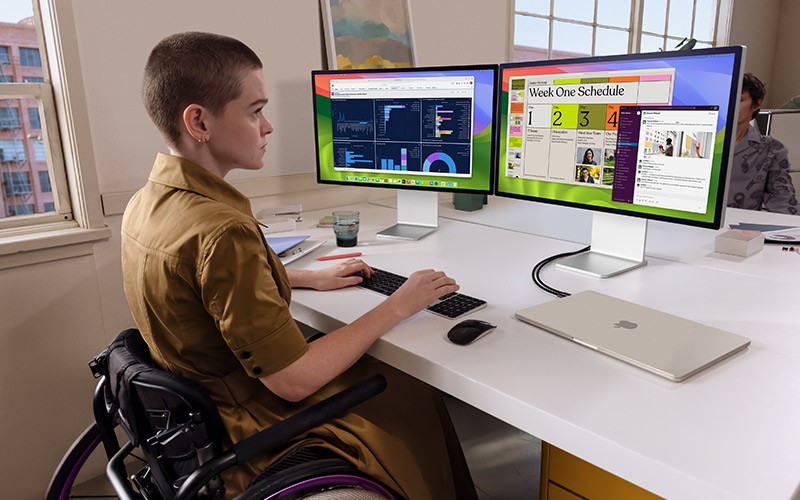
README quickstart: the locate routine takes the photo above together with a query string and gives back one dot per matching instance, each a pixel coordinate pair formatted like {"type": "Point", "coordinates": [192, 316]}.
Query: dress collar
{"type": "Point", "coordinates": [180, 173]}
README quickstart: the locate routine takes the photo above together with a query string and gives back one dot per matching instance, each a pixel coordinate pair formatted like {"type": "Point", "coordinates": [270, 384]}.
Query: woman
{"type": "Point", "coordinates": [212, 299]}
{"type": "Point", "coordinates": [588, 157]}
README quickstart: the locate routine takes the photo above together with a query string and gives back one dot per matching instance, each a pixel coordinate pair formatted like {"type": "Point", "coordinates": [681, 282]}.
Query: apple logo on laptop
{"type": "Point", "coordinates": [628, 325]}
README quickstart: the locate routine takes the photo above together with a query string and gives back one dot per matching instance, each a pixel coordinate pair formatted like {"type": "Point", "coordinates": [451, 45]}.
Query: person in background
{"type": "Point", "coordinates": [759, 177]}
{"type": "Point", "coordinates": [668, 151]}
{"type": "Point", "coordinates": [212, 299]}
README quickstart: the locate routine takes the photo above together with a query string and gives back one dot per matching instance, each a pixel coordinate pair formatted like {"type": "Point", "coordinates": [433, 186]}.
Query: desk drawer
{"type": "Point", "coordinates": [584, 479]}
{"type": "Point", "coordinates": [556, 492]}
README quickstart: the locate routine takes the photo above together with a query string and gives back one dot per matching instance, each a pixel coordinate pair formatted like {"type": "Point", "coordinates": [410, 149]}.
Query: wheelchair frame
{"type": "Point", "coordinates": [115, 403]}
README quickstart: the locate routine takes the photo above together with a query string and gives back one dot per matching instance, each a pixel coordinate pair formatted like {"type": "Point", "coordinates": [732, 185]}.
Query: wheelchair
{"type": "Point", "coordinates": [177, 429]}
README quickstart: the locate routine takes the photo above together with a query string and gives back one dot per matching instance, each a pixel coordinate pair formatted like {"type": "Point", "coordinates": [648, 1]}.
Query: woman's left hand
{"type": "Point", "coordinates": [340, 275]}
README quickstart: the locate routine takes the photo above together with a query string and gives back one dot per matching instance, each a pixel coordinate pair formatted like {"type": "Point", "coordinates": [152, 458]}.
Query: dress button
{"type": "Point", "coordinates": [245, 354]}
{"type": "Point", "coordinates": [257, 370]}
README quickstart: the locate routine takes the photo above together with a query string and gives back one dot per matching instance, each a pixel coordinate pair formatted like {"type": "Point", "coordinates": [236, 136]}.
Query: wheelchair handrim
{"type": "Point", "coordinates": [332, 480]}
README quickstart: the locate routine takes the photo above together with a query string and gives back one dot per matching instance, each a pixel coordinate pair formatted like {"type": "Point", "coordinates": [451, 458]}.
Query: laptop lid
{"type": "Point", "coordinates": [661, 343]}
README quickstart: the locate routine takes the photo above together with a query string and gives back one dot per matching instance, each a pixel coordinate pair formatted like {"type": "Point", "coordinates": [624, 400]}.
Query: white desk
{"type": "Point", "coordinates": [731, 431]}
{"type": "Point", "coordinates": [690, 245]}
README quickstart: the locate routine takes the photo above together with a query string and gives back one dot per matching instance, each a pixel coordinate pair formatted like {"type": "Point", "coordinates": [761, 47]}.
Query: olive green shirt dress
{"type": "Point", "coordinates": [212, 302]}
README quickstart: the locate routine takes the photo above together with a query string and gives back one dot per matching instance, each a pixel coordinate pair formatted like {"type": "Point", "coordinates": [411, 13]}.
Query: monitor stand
{"type": "Point", "coordinates": [618, 243]}
{"type": "Point", "coordinates": [417, 215]}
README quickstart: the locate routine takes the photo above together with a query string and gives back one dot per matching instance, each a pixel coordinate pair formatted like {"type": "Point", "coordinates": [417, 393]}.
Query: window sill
{"type": "Point", "coordinates": [50, 242]}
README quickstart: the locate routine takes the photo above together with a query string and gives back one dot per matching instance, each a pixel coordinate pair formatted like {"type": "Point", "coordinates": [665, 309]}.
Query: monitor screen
{"type": "Point", "coordinates": [646, 135]}
{"type": "Point", "coordinates": [410, 128]}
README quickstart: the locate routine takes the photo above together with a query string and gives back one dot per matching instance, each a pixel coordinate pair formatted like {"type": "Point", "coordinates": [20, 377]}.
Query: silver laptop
{"type": "Point", "coordinates": [661, 343]}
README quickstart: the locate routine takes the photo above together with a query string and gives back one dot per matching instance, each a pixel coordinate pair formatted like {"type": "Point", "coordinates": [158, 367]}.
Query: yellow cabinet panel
{"type": "Point", "coordinates": [555, 492]}
{"type": "Point", "coordinates": [584, 479]}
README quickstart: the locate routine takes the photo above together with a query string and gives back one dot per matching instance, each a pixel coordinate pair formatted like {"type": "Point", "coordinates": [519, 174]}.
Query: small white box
{"type": "Point", "coordinates": [739, 242]}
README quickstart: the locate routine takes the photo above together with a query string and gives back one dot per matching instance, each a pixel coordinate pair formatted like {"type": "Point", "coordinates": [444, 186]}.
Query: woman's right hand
{"type": "Point", "coordinates": [420, 290]}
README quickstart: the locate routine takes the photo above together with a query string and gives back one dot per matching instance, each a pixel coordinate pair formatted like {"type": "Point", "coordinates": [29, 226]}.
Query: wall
{"type": "Point", "coordinates": [59, 314]}
{"type": "Point", "coordinates": [754, 24]}
{"type": "Point", "coordinates": [785, 82]}
{"type": "Point", "coordinates": [768, 29]}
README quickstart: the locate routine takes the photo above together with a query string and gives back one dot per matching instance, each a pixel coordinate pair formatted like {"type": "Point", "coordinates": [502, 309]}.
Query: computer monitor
{"type": "Point", "coordinates": [631, 137]}
{"type": "Point", "coordinates": [420, 131]}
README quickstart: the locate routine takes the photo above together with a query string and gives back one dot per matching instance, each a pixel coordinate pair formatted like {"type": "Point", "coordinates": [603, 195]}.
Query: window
{"type": "Point", "coordinates": [9, 119]}
{"type": "Point", "coordinates": [23, 148]}
{"type": "Point", "coordinates": [63, 209]}
{"type": "Point", "coordinates": [545, 29]}
{"type": "Point", "coordinates": [12, 151]}
{"type": "Point", "coordinates": [39, 153]}
{"type": "Point", "coordinates": [33, 118]}
{"type": "Point", "coordinates": [44, 183]}
{"type": "Point", "coordinates": [6, 78]}
{"type": "Point", "coordinates": [16, 184]}
{"type": "Point", "coordinates": [30, 57]}
{"type": "Point", "coordinates": [20, 209]}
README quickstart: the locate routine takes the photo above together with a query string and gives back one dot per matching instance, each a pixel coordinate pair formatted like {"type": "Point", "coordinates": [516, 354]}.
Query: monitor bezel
{"type": "Point", "coordinates": [493, 133]}
{"type": "Point", "coordinates": [728, 144]}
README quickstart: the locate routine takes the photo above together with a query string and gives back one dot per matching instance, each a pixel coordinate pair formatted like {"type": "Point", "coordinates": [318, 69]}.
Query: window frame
{"type": "Point", "coordinates": [42, 93]}
{"type": "Point", "coordinates": [634, 29]}
{"type": "Point", "coordinates": [78, 221]}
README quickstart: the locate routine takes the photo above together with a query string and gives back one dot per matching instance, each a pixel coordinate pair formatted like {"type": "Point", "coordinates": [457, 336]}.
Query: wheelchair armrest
{"type": "Point", "coordinates": [278, 434]}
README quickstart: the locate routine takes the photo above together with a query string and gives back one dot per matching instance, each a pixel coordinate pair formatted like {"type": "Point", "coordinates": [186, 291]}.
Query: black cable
{"type": "Point", "coordinates": [538, 268]}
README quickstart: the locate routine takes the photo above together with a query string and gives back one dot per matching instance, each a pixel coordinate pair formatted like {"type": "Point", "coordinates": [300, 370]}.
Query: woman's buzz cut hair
{"type": "Point", "coordinates": [193, 68]}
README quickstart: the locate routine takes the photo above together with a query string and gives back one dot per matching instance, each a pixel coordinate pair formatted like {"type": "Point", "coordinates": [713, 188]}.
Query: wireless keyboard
{"type": "Point", "coordinates": [452, 306]}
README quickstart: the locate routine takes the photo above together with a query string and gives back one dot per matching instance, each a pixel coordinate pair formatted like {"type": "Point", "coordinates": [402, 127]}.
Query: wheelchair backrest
{"type": "Point", "coordinates": [173, 420]}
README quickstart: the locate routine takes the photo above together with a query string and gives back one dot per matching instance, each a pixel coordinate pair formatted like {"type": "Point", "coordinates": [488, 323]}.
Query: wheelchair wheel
{"type": "Point", "coordinates": [325, 479]}
{"type": "Point", "coordinates": [61, 483]}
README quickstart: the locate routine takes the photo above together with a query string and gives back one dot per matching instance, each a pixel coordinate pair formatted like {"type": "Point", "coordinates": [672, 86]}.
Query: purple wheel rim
{"type": "Point", "coordinates": [333, 480]}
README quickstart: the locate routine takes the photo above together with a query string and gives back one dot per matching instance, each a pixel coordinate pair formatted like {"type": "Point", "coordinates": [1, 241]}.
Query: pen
{"type": "Point", "coordinates": [340, 256]}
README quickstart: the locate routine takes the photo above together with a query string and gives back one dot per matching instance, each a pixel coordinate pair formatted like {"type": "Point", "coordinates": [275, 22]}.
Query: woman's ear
{"type": "Point", "coordinates": [194, 119]}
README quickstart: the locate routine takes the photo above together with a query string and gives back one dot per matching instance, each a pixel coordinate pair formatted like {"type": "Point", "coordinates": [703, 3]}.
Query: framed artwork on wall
{"type": "Point", "coordinates": [368, 34]}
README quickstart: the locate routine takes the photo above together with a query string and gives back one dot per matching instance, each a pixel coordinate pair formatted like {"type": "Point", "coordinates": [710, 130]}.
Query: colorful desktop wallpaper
{"type": "Point", "coordinates": [701, 78]}
{"type": "Point", "coordinates": [482, 133]}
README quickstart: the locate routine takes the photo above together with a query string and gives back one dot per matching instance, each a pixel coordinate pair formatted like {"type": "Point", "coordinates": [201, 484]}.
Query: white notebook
{"type": "Point", "coordinates": [664, 344]}
{"type": "Point", "coordinates": [300, 250]}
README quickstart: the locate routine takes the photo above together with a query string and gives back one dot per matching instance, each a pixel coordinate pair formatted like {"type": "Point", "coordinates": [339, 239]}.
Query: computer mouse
{"type": "Point", "coordinates": [468, 331]}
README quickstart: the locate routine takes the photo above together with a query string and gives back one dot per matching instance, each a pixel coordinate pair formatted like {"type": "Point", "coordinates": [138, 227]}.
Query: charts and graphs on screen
{"type": "Point", "coordinates": [416, 130]}
{"type": "Point", "coordinates": [426, 128]}
{"type": "Point", "coordinates": [420, 125]}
